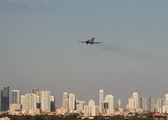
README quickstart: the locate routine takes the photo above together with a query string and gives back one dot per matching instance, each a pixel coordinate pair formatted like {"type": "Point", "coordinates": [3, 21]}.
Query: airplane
{"type": "Point", "coordinates": [91, 41]}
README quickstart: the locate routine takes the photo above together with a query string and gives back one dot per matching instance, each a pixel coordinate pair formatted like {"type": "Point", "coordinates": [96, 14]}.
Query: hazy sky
{"type": "Point", "coordinates": [39, 47]}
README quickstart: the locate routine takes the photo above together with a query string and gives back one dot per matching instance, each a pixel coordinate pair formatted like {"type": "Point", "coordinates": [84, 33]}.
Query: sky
{"type": "Point", "coordinates": [39, 47]}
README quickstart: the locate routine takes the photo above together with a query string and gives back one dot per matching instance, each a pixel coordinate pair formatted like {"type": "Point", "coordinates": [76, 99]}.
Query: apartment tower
{"type": "Point", "coordinates": [15, 96]}
{"type": "Point", "coordinates": [101, 99]}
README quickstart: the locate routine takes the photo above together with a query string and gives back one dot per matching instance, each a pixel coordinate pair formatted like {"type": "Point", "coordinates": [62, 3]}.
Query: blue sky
{"type": "Point", "coordinates": [40, 49]}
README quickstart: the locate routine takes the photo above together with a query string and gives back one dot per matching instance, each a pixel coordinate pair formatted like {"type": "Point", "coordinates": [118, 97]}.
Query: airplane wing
{"type": "Point", "coordinates": [98, 42]}
{"type": "Point", "coordinates": [82, 41]}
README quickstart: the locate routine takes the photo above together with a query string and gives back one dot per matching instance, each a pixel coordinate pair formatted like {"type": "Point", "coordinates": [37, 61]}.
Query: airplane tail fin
{"type": "Point", "coordinates": [92, 39]}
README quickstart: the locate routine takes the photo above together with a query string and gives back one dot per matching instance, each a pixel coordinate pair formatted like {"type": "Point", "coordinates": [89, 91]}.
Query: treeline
{"type": "Point", "coordinates": [76, 117]}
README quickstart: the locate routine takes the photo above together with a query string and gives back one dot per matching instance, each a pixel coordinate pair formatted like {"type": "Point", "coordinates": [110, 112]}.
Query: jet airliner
{"type": "Point", "coordinates": [91, 41]}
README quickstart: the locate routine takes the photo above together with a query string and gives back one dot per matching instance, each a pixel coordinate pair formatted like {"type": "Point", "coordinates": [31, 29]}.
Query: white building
{"type": "Point", "coordinates": [71, 102]}
{"type": "Point", "coordinates": [23, 102]}
{"type": "Point", "coordinates": [166, 99]}
{"type": "Point", "coordinates": [159, 104]}
{"type": "Point", "coordinates": [110, 100]}
{"type": "Point", "coordinates": [80, 106]}
{"type": "Point", "coordinates": [91, 109]}
{"type": "Point", "coordinates": [135, 100]}
{"type": "Point", "coordinates": [36, 91]}
{"type": "Point", "coordinates": [151, 104]}
{"type": "Point", "coordinates": [15, 109]}
{"type": "Point", "coordinates": [143, 103]}
{"type": "Point", "coordinates": [130, 103]}
{"type": "Point", "coordinates": [165, 104]}
{"type": "Point", "coordinates": [119, 103]}
{"type": "Point", "coordinates": [45, 100]}
{"type": "Point", "coordinates": [29, 102]}
{"type": "Point", "coordinates": [65, 102]}
{"type": "Point", "coordinates": [101, 99]}
{"type": "Point", "coordinates": [15, 106]}
{"type": "Point", "coordinates": [52, 103]}
{"type": "Point", "coordinates": [15, 96]}
{"type": "Point", "coordinates": [165, 109]}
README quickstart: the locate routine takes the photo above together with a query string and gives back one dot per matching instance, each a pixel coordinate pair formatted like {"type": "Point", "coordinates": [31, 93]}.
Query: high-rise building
{"type": "Point", "coordinates": [71, 102]}
{"type": "Point", "coordinates": [80, 106]}
{"type": "Point", "coordinates": [36, 91]}
{"type": "Point", "coordinates": [29, 102]}
{"type": "Point", "coordinates": [4, 98]}
{"type": "Point", "coordinates": [45, 100]}
{"type": "Point", "coordinates": [119, 103]}
{"type": "Point", "coordinates": [166, 99]}
{"type": "Point", "coordinates": [15, 96]}
{"type": "Point", "coordinates": [165, 104]}
{"type": "Point", "coordinates": [91, 109]}
{"type": "Point", "coordinates": [143, 103]}
{"type": "Point", "coordinates": [52, 103]}
{"type": "Point", "coordinates": [101, 99]}
{"type": "Point", "coordinates": [105, 108]}
{"type": "Point", "coordinates": [110, 100]}
{"type": "Point", "coordinates": [65, 102]}
{"type": "Point", "coordinates": [151, 104]}
{"type": "Point", "coordinates": [159, 104]}
{"type": "Point", "coordinates": [22, 98]}
{"type": "Point", "coordinates": [135, 100]}
{"type": "Point", "coordinates": [105, 105]}
{"type": "Point", "coordinates": [130, 103]}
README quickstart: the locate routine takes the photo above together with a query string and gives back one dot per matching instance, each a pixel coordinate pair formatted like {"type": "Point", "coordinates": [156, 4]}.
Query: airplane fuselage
{"type": "Point", "coordinates": [91, 41]}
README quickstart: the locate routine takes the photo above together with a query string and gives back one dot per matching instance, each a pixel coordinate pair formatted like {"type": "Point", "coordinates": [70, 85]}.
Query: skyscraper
{"type": "Point", "coordinates": [4, 98]}
{"type": "Point", "coordinates": [165, 107]}
{"type": "Point", "coordinates": [71, 102]}
{"type": "Point", "coordinates": [135, 100]}
{"type": "Point", "coordinates": [65, 102]}
{"type": "Point", "coordinates": [142, 102]}
{"type": "Point", "coordinates": [80, 106]}
{"type": "Point", "coordinates": [130, 103]}
{"type": "Point", "coordinates": [52, 103]}
{"type": "Point", "coordinates": [45, 100]}
{"type": "Point", "coordinates": [159, 104]}
{"type": "Point", "coordinates": [15, 96]}
{"type": "Point", "coordinates": [29, 102]}
{"type": "Point", "coordinates": [119, 103]}
{"type": "Point", "coordinates": [166, 99]}
{"type": "Point", "coordinates": [36, 91]}
{"type": "Point", "coordinates": [110, 100]}
{"type": "Point", "coordinates": [101, 97]}
{"type": "Point", "coordinates": [151, 104]}
{"type": "Point", "coordinates": [91, 109]}
{"type": "Point", "coordinates": [22, 101]}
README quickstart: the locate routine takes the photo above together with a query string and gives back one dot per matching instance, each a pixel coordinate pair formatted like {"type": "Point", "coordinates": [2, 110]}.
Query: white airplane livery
{"type": "Point", "coordinates": [91, 41]}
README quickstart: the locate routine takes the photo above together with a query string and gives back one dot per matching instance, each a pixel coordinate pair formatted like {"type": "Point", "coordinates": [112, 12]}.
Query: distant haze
{"type": "Point", "coordinates": [39, 47]}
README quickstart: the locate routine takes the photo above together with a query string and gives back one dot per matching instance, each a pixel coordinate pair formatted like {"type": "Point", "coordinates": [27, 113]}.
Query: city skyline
{"type": "Point", "coordinates": [40, 49]}
{"type": "Point", "coordinates": [44, 101]}
{"type": "Point", "coordinates": [136, 99]}
{"type": "Point", "coordinates": [97, 100]}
